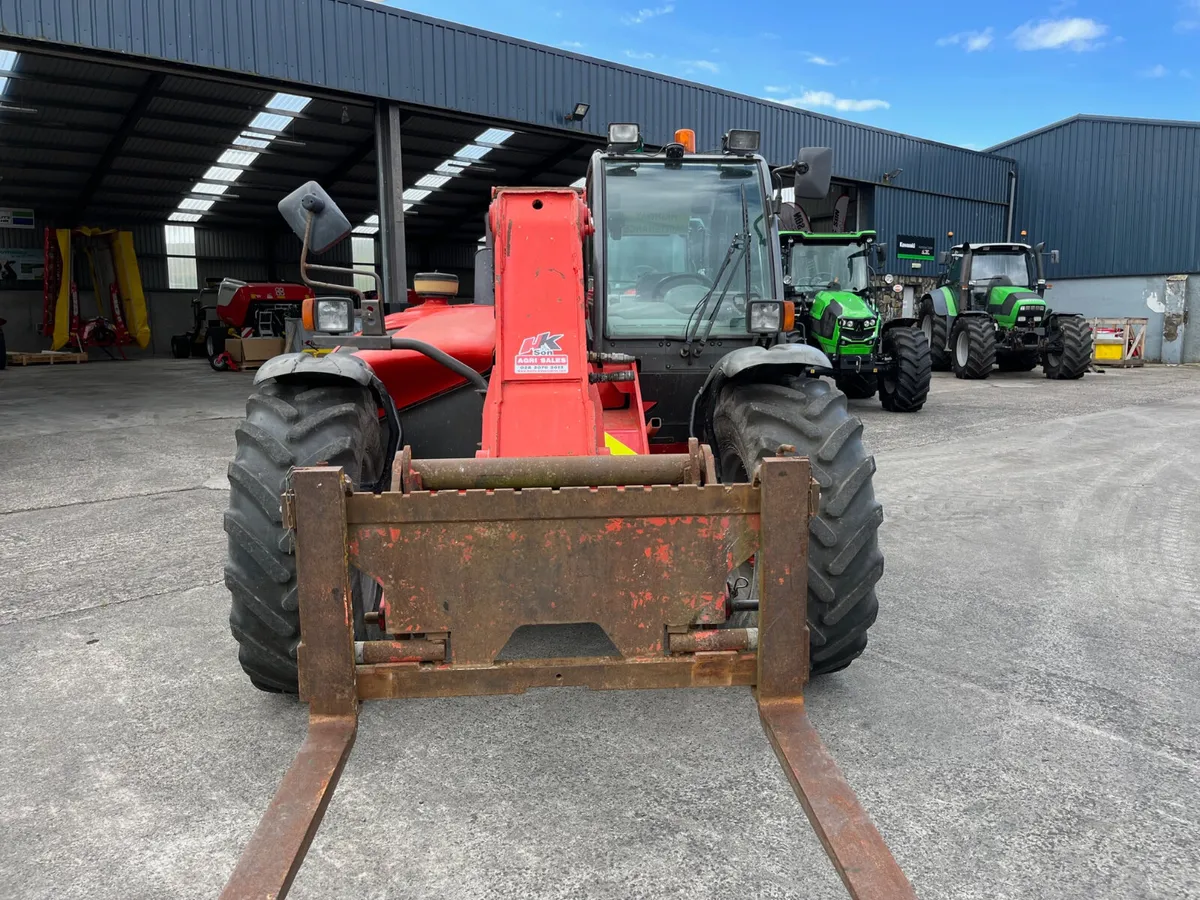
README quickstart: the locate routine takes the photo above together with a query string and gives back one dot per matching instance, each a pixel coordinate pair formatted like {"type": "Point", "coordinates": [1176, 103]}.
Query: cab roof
{"type": "Point", "coordinates": [846, 236]}
{"type": "Point", "coordinates": [994, 248]}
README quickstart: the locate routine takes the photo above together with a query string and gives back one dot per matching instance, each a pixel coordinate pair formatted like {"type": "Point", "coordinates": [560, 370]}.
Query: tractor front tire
{"type": "Point", "coordinates": [905, 386]}
{"type": "Point", "coordinates": [973, 342]}
{"type": "Point", "coordinates": [1067, 353]}
{"type": "Point", "coordinates": [934, 327]}
{"type": "Point", "coordinates": [856, 386]}
{"type": "Point", "coordinates": [750, 422]}
{"type": "Point", "coordinates": [287, 425]}
{"type": "Point", "coordinates": [181, 346]}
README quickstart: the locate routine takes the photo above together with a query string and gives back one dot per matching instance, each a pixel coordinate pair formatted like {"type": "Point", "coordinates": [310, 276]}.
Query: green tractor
{"type": "Point", "coordinates": [989, 309]}
{"type": "Point", "coordinates": [828, 277]}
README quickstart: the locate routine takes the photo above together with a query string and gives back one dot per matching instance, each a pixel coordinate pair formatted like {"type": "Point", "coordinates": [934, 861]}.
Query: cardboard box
{"type": "Point", "coordinates": [255, 350]}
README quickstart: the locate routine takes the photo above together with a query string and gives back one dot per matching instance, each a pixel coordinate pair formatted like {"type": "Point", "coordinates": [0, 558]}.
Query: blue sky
{"type": "Point", "coordinates": [970, 74]}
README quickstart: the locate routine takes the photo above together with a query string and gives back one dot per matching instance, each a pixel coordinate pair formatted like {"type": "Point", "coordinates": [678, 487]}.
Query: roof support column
{"type": "Point", "coordinates": [390, 177]}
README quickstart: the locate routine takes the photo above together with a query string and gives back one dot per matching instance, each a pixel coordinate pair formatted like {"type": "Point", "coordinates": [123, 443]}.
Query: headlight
{"type": "Point", "coordinates": [334, 316]}
{"type": "Point", "coordinates": [621, 133]}
{"type": "Point", "coordinates": [739, 140]}
{"type": "Point", "coordinates": [770, 316]}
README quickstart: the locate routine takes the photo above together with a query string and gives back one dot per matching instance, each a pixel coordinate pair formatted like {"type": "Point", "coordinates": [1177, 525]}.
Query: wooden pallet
{"type": "Point", "coordinates": [43, 359]}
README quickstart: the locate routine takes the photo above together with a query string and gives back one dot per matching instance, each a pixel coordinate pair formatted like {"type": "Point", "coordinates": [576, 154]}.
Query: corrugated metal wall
{"type": "Point", "coordinates": [366, 48]}
{"type": "Point", "coordinates": [1117, 197]}
{"type": "Point", "coordinates": [928, 215]}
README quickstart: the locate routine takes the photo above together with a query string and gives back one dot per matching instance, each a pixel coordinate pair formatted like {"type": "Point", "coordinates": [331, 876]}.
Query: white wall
{"type": "Point", "coordinates": [1133, 297]}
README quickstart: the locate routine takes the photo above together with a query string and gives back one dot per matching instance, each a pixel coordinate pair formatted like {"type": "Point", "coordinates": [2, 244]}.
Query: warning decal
{"type": "Point", "coordinates": [541, 355]}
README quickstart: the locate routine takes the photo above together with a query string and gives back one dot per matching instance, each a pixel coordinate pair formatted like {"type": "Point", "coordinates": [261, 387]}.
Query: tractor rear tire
{"type": "Point", "coordinates": [286, 425]}
{"type": "Point", "coordinates": [907, 387]}
{"type": "Point", "coordinates": [750, 422]}
{"type": "Point", "coordinates": [1017, 362]}
{"type": "Point", "coordinates": [1067, 354]}
{"type": "Point", "coordinates": [973, 343]}
{"type": "Point", "coordinates": [856, 386]}
{"type": "Point", "coordinates": [934, 327]}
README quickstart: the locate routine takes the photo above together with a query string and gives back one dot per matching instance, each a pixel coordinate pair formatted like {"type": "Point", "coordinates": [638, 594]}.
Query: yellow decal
{"type": "Point", "coordinates": [616, 448]}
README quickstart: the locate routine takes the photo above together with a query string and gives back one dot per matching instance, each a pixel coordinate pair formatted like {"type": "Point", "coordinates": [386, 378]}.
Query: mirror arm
{"type": "Point", "coordinates": [369, 327]}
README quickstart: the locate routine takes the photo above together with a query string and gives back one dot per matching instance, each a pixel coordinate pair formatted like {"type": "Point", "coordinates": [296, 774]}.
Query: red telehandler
{"type": "Point", "coordinates": [623, 428]}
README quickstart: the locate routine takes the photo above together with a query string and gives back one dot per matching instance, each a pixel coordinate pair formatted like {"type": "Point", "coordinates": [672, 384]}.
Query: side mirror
{"type": "Point", "coordinates": [881, 253]}
{"type": "Point", "coordinates": [309, 202]}
{"type": "Point", "coordinates": [1054, 257]}
{"type": "Point", "coordinates": [944, 258]}
{"type": "Point", "coordinates": [813, 170]}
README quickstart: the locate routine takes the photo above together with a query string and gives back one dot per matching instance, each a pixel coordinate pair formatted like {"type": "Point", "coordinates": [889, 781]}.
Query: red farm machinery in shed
{"type": "Point", "coordinates": [623, 428]}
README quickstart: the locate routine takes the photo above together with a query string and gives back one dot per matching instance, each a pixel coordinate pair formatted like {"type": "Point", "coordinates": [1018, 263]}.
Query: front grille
{"type": "Point", "coordinates": [857, 335]}
{"type": "Point", "coordinates": [1030, 315]}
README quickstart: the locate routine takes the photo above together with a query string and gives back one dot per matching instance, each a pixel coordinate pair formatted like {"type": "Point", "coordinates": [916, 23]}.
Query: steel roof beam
{"type": "Point", "coordinates": [128, 124]}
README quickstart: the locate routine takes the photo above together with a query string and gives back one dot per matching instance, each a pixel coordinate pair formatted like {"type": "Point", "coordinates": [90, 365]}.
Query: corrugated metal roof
{"type": "Point", "coordinates": [1116, 196]}
{"type": "Point", "coordinates": [366, 48]}
{"type": "Point", "coordinates": [1170, 123]}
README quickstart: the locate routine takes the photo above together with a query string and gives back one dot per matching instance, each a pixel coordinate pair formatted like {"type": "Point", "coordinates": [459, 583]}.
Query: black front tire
{"type": "Point", "coordinates": [856, 385]}
{"type": "Point", "coordinates": [973, 347]}
{"type": "Point", "coordinates": [1067, 352]}
{"type": "Point", "coordinates": [288, 425]}
{"type": "Point", "coordinates": [934, 327]}
{"type": "Point", "coordinates": [905, 387]}
{"type": "Point", "coordinates": [750, 422]}
{"type": "Point", "coordinates": [181, 346]}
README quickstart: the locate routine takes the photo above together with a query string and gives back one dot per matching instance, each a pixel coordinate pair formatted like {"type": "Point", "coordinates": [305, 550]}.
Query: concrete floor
{"type": "Point", "coordinates": [1026, 722]}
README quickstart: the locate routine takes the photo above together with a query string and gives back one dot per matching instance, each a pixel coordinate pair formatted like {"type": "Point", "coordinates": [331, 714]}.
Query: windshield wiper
{"type": "Point", "coordinates": [745, 236]}
{"type": "Point", "coordinates": [735, 246]}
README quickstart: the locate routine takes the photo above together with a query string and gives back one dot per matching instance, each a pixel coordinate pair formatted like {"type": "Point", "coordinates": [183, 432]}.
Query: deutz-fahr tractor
{"type": "Point", "coordinates": [989, 309]}
{"type": "Point", "coordinates": [829, 277]}
{"type": "Point", "coordinates": [618, 430]}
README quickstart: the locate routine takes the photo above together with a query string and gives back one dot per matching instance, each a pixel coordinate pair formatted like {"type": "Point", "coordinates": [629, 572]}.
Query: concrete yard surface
{"type": "Point", "coordinates": [1024, 724]}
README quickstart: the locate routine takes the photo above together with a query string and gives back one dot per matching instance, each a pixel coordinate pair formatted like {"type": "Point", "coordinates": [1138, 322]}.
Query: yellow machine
{"type": "Point", "coordinates": [113, 266]}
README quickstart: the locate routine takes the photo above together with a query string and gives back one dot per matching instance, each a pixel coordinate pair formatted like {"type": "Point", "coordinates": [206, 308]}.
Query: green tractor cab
{"type": "Point", "coordinates": [828, 278]}
{"type": "Point", "coordinates": [989, 309]}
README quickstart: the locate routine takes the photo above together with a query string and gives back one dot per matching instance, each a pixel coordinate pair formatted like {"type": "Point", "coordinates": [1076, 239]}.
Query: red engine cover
{"type": "Point", "coordinates": [466, 332]}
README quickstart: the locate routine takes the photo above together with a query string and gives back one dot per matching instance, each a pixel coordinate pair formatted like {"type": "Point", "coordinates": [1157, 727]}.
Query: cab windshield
{"type": "Point", "coordinates": [1015, 267]}
{"type": "Point", "coordinates": [667, 232]}
{"type": "Point", "coordinates": [828, 267]}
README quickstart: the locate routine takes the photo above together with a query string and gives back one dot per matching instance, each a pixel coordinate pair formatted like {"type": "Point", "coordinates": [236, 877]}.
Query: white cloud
{"type": "Point", "coordinates": [1054, 34]}
{"type": "Point", "coordinates": [633, 54]}
{"type": "Point", "coordinates": [1189, 16]}
{"type": "Point", "coordinates": [776, 89]}
{"type": "Point", "coordinates": [571, 45]}
{"type": "Point", "coordinates": [820, 60]}
{"type": "Point", "coordinates": [1159, 71]}
{"type": "Point", "coordinates": [825, 99]}
{"type": "Point", "coordinates": [702, 64]}
{"type": "Point", "coordinates": [648, 13]}
{"type": "Point", "coordinates": [971, 41]}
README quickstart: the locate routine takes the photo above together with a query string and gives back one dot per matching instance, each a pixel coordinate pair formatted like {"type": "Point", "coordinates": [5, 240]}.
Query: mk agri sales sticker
{"type": "Point", "coordinates": [541, 355]}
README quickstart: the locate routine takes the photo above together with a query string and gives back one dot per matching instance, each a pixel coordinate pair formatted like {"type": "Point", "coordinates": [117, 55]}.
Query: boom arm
{"type": "Point", "coordinates": [541, 400]}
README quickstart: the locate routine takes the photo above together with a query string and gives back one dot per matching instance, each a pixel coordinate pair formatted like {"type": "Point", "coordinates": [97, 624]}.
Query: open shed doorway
{"type": "Point", "coordinates": [840, 210]}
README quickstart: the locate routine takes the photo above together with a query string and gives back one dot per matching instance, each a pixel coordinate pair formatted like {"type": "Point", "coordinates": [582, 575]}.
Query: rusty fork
{"type": "Point", "coordinates": [334, 530]}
